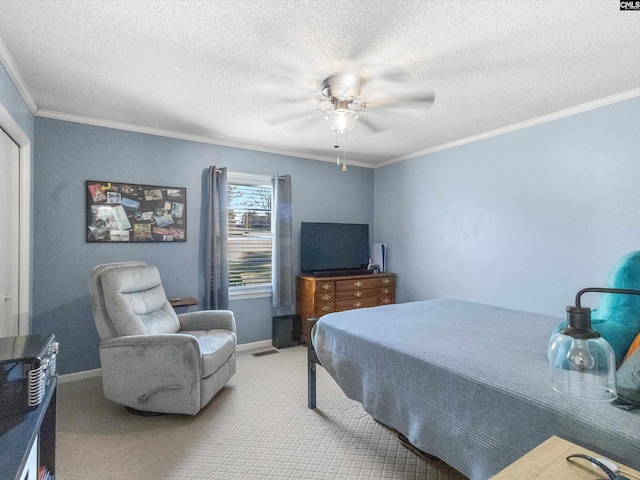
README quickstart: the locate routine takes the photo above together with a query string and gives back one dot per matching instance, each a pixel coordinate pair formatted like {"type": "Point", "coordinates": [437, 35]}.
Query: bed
{"type": "Point", "coordinates": [465, 382]}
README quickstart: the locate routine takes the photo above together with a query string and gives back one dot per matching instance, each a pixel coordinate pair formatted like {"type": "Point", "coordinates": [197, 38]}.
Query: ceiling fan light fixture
{"type": "Point", "coordinates": [342, 120]}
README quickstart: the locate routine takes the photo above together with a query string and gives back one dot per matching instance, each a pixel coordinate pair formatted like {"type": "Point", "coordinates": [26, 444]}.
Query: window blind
{"type": "Point", "coordinates": [250, 234]}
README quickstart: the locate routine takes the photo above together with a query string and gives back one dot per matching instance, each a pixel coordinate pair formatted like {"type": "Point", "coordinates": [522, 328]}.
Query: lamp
{"type": "Point", "coordinates": [583, 363]}
{"type": "Point", "coordinates": [341, 119]}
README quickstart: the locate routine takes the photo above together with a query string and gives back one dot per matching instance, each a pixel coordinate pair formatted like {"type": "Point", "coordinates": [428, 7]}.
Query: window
{"type": "Point", "coordinates": [250, 240]}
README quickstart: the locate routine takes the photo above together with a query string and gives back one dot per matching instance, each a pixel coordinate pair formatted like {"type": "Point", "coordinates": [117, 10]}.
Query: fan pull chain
{"type": "Point", "coordinates": [344, 157]}
{"type": "Point", "coordinates": [337, 146]}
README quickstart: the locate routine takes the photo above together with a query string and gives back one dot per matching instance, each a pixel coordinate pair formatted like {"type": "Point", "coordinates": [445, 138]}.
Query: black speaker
{"type": "Point", "coordinates": [286, 331]}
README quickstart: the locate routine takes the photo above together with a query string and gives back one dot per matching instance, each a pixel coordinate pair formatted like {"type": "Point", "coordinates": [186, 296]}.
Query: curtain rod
{"type": "Point", "coordinates": [280, 177]}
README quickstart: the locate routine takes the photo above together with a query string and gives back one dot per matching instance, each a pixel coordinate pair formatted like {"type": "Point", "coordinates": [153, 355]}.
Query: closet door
{"type": "Point", "coordinates": [9, 234]}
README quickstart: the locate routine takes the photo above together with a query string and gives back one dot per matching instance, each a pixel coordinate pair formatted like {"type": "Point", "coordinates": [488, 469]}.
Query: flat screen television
{"type": "Point", "coordinates": [333, 248]}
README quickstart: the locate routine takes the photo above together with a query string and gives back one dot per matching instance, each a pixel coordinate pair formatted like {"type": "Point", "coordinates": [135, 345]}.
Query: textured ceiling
{"type": "Point", "coordinates": [239, 72]}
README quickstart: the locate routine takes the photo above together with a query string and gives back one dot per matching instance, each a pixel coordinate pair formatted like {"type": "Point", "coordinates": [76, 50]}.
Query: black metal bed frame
{"type": "Point", "coordinates": [312, 361]}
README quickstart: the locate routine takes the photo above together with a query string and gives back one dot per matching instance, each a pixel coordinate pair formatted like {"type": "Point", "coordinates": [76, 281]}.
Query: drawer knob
{"type": "Point", "coordinates": [326, 308]}
{"type": "Point", "coordinates": [358, 283]}
{"type": "Point", "coordinates": [326, 297]}
{"type": "Point", "coordinates": [385, 290]}
{"type": "Point", "coordinates": [386, 281]}
{"type": "Point", "coordinates": [357, 294]}
{"type": "Point", "coordinates": [326, 286]}
{"type": "Point", "coordinates": [357, 304]}
{"type": "Point", "coordinates": [386, 300]}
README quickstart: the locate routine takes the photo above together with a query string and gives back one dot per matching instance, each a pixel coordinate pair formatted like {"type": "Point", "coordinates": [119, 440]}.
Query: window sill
{"type": "Point", "coordinates": [243, 293]}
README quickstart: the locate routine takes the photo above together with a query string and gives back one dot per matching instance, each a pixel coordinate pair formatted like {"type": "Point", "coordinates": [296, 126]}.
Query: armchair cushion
{"type": "Point", "coordinates": [136, 302]}
{"type": "Point", "coordinates": [216, 346]}
{"type": "Point", "coordinates": [105, 326]}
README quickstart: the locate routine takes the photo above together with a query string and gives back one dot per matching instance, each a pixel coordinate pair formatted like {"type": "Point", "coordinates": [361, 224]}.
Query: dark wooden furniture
{"type": "Point", "coordinates": [183, 302]}
{"type": "Point", "coordinates": [31, 432]}
{"type": "Point", "coordinates": [317, 296]}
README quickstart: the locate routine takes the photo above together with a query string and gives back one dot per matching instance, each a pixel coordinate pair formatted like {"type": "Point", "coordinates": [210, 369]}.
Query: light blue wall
{"type": "Point", "coordinates": [522, 220]}
{"type": "Point", "coordinates": [67, 154]}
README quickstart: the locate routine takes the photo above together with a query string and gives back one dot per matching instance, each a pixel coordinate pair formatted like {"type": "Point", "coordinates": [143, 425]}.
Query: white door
{"type": "Point", "coordinates": [9, 234]}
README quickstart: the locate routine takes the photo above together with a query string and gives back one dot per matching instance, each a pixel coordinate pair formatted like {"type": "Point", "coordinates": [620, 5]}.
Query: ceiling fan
{"type": "Point", "coordinates": [379, 100]}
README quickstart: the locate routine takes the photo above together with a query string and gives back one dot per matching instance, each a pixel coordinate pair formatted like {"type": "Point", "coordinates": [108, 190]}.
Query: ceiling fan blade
{"type": "Point", "coordinates": [425, 98]}
{"type": "Point", "coordinates": [369, 125]}
{"type": "Point", "coordinates": [376, 121]}
{"type": "Point", "coordinates": [292, 117]}
{"type": "Point", "coordinates": [286, 88]}
{"type": "Point", "coordinates": [384, 73]}
{"type": "Point", "coordinates": [407, 107]}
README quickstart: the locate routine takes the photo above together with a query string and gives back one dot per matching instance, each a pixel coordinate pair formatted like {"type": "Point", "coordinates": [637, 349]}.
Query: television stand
{"type": "Point", "coordinates": [317, 296]}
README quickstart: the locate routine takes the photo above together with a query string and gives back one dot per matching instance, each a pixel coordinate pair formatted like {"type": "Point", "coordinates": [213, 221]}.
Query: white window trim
{"type": "Point", "coordinates": [244, 292]}
{"type": "Point", "coordinates": [241, 293]}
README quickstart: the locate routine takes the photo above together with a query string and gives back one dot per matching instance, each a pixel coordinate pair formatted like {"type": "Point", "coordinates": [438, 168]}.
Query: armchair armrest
{"type": "Point", "coordinates": [154, 353]}
{"type": "Point", "coordinates": [208, 320]}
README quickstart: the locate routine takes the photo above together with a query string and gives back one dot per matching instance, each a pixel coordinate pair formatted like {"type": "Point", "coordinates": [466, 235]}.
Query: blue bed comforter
{"type": "Point", "coordinates": [466, 382]}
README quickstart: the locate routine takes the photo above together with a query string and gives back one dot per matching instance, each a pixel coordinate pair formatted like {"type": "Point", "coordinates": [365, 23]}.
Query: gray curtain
{"type": "Point", "coordinates": [217, 266]}
{"type": "Point", "coordinates": [282, 251]}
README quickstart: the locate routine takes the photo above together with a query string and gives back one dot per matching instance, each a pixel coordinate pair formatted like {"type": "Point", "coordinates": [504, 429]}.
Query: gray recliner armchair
{"type": "Point", "coordinates": [152, 359]}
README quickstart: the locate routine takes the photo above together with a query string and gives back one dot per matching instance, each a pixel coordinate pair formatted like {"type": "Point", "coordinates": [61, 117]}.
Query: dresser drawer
{"type": "Point", "coordinates": [385, 298]}
{"type": "Point", "coordinates": [386, 290]}
{"type": "Point", "coordinates": [325, 286]}
{"type": "Point", "coordinates": [356, 294]}
{"type": "Point", "coordinates": [357, 284]}
{"type": "Point", "coordinates": [324, 297]}
{"type": "Point", "coordinates": [356, 303]}
{"type": "Point", "coordinates": [387, 281]}
{"type": "Point", "coordinates": [324, 309]}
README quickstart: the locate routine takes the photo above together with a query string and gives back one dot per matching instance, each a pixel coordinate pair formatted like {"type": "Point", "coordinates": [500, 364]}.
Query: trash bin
{"type": "Point", "coordinates": [286, 331]}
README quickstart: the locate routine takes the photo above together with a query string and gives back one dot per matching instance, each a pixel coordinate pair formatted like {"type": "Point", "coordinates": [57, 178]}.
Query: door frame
{"type": "Point", "coordinates": [11, 127]}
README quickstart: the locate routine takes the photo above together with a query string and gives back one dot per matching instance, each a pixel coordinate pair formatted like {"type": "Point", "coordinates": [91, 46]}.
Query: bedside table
{"type": "Point", "coordinates": [549, 460]}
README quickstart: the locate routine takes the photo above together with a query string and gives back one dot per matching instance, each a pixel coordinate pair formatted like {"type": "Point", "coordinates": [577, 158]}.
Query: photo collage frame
{"type": "Point", "coordinates": [129, 212]}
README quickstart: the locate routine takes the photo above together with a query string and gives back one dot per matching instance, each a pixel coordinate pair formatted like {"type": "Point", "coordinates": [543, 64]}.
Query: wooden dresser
{"type": "Point", "coordinates": [317, 296]}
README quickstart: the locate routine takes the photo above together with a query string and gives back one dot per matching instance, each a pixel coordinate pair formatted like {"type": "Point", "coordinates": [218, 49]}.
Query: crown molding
{"type": "Point", "coordinates": [181, 136]}
{"type": "Point", "coordinates": [585, 107]}
{"type": "Point", "coordinates": [15, 76]}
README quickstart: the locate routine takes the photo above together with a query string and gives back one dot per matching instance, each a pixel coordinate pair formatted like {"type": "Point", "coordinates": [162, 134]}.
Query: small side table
{"type": "Point", "coordinates": [183, 302]}
{"type": "Point", "coordinates": [549, 460]}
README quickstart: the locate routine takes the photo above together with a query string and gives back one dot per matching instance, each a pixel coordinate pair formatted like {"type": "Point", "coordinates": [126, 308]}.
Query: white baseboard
{"type": "Point", "coordinates": [251, 346]}
{"type": "Point", "coordinates": [73, 377]}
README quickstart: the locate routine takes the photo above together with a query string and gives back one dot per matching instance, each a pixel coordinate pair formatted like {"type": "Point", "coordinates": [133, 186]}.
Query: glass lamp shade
{"type": "Point", "coordinates": [342, 120]}
{"type": "Point", "coordinates": [582, 367]}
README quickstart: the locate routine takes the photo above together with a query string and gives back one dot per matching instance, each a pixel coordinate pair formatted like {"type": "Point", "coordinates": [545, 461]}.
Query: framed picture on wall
{"type": "Point", "coordinates": [129, 212]}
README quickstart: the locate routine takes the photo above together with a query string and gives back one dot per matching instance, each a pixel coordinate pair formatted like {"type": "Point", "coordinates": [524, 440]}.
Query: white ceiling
{"type": "Point", "coordinates": [222, 71]}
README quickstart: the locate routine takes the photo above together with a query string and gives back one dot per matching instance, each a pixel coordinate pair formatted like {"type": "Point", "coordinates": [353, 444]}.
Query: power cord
{"type": "Point", "coordinates": [607, 470]}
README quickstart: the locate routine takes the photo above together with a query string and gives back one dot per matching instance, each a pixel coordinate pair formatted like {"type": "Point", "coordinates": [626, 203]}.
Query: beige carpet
{"type": "Point", "coordinates": [257, 427]}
